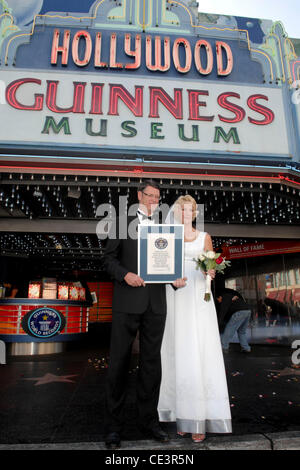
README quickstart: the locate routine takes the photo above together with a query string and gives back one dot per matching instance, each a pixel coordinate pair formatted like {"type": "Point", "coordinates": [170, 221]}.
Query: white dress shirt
{"type": "Point", "coordinates": [143, 218]}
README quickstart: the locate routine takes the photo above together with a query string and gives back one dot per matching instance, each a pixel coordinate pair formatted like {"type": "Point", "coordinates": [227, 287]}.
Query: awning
{"type": "Point", "coordinates": [296, 295]}
{"type": "Point", "coordinates": [281, 295]}
{"type": "Point", "coordinates": [272, 295]}
{"type": "Point", "coordinates": [288, 295]}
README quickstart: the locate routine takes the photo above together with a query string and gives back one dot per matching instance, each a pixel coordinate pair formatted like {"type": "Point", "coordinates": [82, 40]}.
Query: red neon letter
{"type": "Point", "coordinates": [97, 61]}
{"type": "Point", "coordinates": [172, 105]}
{"type": "Point", "coordinates": [96, 107]}
{"type": "Point", "coordinates": [234, 108]}
{"type": "Point", "coordinates": [64, 49]}
{"type": "Point", "coordinates": [266, 112]}
{"type": "Point", "coordinates": [134, 104]}
{"type": "Point", "coordinates": [219, 46]}
{"type": "Point", "coordinates": [12, 89]}
{"type": "Point", "coordinates": [113, 52]}
{"type": "Point", "coordinates": [78, 97]}
{"type": "Point", "coordinates": [209, 57]}
{"type": "Point", "coordinates": [188, 55]}
{"type": "Point", "coordinates": [157, 65]}
{"type": "Point", "coordinates": [194, 105]}
{"type": "Point", "coordinates": [88, 48]}
{"type": "Point", "coordinates": [136, 53]}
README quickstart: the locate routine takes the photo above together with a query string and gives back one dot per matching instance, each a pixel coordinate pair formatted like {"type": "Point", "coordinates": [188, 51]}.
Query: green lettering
{"type": "Point", "coordinates": [219, 132]}
{"type": "Point", "coordinates": [50, 123]}
{"type": "Point", "coordinates": [103, 128]}
{"type": "Point", "coordinates": [127, 127]}
{"type": "Point", "coordinates": [195, 136]}
{"type": "Point", "coordinates": [155, 130]}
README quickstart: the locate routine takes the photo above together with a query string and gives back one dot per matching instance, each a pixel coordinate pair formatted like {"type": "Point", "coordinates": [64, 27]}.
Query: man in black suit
{"type": "Point", "coordinates": [136, 307]}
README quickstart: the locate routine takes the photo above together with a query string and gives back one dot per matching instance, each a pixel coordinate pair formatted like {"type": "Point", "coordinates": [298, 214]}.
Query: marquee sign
{"type": "Point", "coordinates": [104, 85]}
{"type": "Point", "coordinates": [175, 116]}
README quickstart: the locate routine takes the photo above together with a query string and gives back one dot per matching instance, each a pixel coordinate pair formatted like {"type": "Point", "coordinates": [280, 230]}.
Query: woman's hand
{"type": "Point", "coordinates": [211, 273]}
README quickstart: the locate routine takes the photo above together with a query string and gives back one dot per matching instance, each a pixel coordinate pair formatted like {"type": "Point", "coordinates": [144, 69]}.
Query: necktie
{"type": "Point", "coordinates": [144, 216]}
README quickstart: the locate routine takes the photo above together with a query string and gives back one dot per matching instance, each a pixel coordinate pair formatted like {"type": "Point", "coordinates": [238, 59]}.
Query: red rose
{"type": "Point", "coordinates": [219, 260]}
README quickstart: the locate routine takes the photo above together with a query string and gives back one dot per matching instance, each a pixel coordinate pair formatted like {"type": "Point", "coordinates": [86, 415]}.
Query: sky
{"type": "Point", "coordinates": [287, 11]}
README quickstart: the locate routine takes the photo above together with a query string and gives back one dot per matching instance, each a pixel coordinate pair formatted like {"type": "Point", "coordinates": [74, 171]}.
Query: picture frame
{"type": "Point", "coordinates": [160, 252]}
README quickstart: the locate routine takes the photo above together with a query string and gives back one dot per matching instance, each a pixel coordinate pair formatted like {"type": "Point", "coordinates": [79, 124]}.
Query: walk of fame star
{"type": "Point", "coordinates": [286, 371]}
{"type": "Point", "coordinates": [49, 378]}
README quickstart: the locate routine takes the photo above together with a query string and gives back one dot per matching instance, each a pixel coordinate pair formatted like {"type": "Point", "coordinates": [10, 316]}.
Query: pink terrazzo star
{"type": "Point", "coordinates": [49, 378]}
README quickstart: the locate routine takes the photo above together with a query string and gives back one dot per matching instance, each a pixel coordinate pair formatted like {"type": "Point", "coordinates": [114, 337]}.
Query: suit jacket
{"type": "Point", "coordinates": [120, 257]}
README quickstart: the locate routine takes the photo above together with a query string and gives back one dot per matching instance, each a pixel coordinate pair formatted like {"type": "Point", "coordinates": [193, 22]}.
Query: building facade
{"type": "Point", "coordinates": [97, 97]}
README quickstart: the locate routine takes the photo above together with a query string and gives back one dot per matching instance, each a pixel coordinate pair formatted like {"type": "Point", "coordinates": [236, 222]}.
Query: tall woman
{"type": "Point", "coordinates": [194, 389]}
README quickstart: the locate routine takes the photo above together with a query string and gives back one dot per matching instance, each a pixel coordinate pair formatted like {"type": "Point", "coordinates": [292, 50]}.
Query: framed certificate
{"type": "Point", "coordinates": [160, 252]}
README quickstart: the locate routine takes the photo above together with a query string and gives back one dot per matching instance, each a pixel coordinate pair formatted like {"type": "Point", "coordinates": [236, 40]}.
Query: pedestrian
{"type": "Point", "coordinates": [234, 315]}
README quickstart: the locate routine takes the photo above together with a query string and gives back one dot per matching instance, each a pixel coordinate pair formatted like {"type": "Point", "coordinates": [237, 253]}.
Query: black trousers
{"type": "Point", "coordinates": [124, 329]}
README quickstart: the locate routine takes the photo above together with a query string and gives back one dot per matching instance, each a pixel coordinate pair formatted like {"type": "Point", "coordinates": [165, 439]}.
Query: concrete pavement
{"type": "Point", "coordinates": [272, 441]}
{"type": "Point", "coordinates": [57, 402]}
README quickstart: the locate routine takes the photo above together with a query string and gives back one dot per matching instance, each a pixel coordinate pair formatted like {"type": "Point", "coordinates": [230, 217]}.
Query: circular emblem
{"type": "Point", "coordinates": [43, 322]}
{"type": "Point", "coordinates": [161, 243]}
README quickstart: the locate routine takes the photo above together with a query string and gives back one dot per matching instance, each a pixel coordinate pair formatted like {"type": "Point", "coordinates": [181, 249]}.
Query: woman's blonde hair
{"type": "Point", "coordinates": [187, 199]}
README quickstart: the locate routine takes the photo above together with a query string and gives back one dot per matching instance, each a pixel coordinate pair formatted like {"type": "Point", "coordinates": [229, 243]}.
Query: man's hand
{"type": "Point", "coordinates": [134, 280]}
{"type": "Point", "coordinates": [180, 282]}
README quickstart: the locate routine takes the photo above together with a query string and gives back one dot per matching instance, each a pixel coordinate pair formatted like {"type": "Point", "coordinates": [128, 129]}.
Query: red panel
{"type": "Point", "coordinates": [296, 295]}
{"type": "Point", "coordinates": [76, 318]}
{"type": "Point", "coordinates": [281, 295]}
{"type": "Point", "coordinates": [101, 311]}
{"type": "Point", "coordinates": [288, 295]}
{"type": "Point", "coordinates": [272, 295]}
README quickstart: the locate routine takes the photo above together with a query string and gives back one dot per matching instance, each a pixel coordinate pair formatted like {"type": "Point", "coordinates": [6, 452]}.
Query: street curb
{"type": "Point", "coordinates": [285, 440]}
{"type": "Point", "coordinates": [271, 441]}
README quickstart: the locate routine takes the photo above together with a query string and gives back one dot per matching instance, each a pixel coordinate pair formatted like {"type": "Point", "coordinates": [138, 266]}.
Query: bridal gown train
{"type": "Point", "coordinates": [194, 388]}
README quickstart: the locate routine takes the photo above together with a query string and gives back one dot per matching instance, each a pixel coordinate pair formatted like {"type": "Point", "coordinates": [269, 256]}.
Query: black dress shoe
{"type": "Point", "coordinates": [113, 440]}
{"type": "Point", "coordinates": [155, 432]}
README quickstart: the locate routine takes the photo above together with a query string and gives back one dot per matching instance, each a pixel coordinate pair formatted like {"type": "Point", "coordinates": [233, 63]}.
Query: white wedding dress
{"type": "Point", "coordinates": [194, 388]}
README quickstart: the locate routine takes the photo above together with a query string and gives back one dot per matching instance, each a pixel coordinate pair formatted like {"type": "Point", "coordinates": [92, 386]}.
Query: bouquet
{"type": "Point", "coordinates": [210, 260]}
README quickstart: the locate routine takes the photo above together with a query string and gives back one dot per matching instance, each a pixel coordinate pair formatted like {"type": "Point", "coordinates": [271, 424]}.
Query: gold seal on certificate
{"type": "Point", "coordinates": [160, 252]}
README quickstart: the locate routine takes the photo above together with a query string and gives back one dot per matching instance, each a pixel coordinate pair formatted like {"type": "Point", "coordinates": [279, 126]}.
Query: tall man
{"type": "Point", "coordinates": [136, 307]}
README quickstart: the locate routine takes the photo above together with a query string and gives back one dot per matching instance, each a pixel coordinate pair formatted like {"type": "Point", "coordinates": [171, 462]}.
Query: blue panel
{"type": "Point", "coordinates": [32, 339]}
{"type": "Point", "coordinates": [253, 25]}
{"type": "Point", "coordinates": [36, 55]}
{"type": "Point", "coordinates": [75, 6]}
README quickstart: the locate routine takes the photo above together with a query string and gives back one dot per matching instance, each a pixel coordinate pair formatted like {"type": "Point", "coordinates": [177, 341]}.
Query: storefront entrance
{"type": "Point", "coordinates": [50, 229]}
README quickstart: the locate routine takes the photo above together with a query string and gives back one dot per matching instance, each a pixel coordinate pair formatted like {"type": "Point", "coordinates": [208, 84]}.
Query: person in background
{"type": "Point", "coordinates": [16, 289]}
{"type": "Point", "coordinates": [234, 315]}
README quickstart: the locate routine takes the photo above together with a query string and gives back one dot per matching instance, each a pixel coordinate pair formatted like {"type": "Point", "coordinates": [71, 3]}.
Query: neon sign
{"type": "Point", "coordinates": [157, 96]}
{"type": "Point", "coordinates": [166, 90]}
{"type": "Point", "coordinates": [181, 54]}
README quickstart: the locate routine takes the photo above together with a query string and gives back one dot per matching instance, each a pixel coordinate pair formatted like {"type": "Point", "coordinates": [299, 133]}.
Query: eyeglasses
{"type": "Point", "coordinates": [157, 198]}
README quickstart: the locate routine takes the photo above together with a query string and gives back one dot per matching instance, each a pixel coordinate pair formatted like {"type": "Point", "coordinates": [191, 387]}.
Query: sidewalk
{"type": "Point", "coordinates": [57, 402]}
{"type": "Point", "coordinates": [272, 441]}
